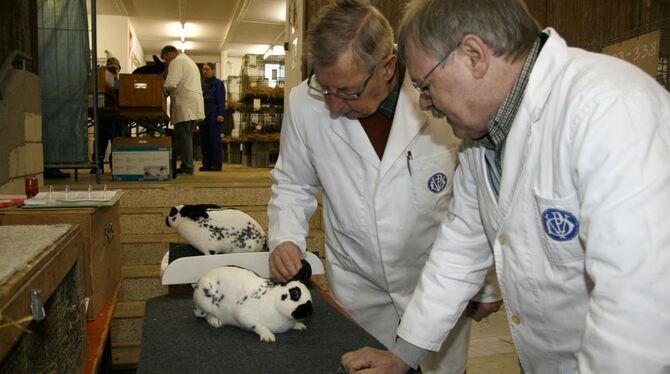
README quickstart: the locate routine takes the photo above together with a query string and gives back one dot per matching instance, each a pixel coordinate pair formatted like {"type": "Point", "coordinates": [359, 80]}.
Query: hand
{"type": "Point", "coordinates": [370, 361]}
{"type": "Point", "coordinates": [478, 311]}
{"type": "Point", "coordinates": [285, 261]}
{"type": "Point", "coordinates": [219, 118]}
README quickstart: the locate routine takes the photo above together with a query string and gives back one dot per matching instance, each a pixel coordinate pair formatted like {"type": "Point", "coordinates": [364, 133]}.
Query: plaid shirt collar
{"type": "Point", "coordinates": [387, 107]}
{"type": "Point", "coordinates": [501, 123]}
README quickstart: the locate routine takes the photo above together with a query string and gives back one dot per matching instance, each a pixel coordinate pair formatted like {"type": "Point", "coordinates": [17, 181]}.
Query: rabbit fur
{"type": "Point", "coordinates": [232, 295]}
{"type": "Point", "coordinates": [213, 230]}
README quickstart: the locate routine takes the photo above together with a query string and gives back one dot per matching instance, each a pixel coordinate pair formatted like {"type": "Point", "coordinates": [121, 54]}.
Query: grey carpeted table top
{"type": "Point", "coordinates": [175, 341]}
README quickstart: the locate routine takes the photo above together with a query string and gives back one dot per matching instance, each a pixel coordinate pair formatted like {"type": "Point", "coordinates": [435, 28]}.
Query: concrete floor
{"type": "Point", "coordinates": [491, 347]}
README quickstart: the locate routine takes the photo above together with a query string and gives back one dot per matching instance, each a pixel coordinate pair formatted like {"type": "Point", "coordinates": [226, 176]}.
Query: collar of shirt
{"type": "Point", "coordinates": [501, 123]}
{"type": "Point", "coordinates": [387, 107]}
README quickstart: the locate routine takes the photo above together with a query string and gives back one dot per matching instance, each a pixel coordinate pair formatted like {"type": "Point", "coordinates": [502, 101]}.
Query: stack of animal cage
{"type": "Point", "coordinates": [232, 117]}
{"type": "Point", "coordinates": [261, 98]}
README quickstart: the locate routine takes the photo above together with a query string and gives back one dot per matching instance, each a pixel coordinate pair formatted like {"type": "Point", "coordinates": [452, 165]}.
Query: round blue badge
{"type": "Point", "coordinates": [437, 182]}
{"type": "Point", "coordinates": [559, 224]}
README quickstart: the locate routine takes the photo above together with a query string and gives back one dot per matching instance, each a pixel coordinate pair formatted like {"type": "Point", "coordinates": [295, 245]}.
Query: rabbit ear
{"type": "Point", "coordinates": [304, 273]}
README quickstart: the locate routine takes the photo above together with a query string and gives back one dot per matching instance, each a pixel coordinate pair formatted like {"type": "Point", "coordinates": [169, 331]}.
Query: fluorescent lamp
{"type": "Point", "coordinates": [267, 53]}
{"type": "Point", "coordinates": [182, 32]}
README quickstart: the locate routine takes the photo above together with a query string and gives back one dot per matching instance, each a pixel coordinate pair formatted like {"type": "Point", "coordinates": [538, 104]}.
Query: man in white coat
{"type": "Point", "coordinates": [355, 131]}
{"type": "Point", "coordinates": [187, 106]}
{"type": "Point", "coordinates": [563, 183]}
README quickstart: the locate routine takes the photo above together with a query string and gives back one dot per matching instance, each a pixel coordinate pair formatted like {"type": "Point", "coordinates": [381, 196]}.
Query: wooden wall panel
{"type": "Point", "coordinates": [587, 24]}
{"type": "Point", "coordinates": [391, 9]}
{"type": "Point", "coordinates": [538, 8]}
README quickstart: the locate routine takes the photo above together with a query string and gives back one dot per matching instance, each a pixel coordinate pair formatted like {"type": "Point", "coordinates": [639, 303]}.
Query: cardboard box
{"type": "Point", "coordinates": [101, 232]}
{"type": "Point", "coordinates": [141, 91]}
{"type": "Point", "coordinates": [143, 158]}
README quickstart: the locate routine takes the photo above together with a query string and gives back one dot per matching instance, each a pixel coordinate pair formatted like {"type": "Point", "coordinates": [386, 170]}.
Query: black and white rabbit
{"type": "Point", "coordinates": [231, 295]}
{"type": "Point", "coordinates": [213, 230]}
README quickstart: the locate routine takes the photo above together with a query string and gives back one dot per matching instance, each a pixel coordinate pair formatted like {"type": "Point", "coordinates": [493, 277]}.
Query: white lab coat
{"type": "Point", "coordinates": [579, 234]}
{"type": "Point", "coordinates": [379, 221]}
{"type": "Point", "coordinates": [185, 88]}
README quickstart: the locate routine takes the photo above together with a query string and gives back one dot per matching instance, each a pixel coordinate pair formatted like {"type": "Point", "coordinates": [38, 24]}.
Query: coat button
{"type": "Point", "coordinates": [502, 239]}
{"type": "Point", "coordinates": [516, 319]}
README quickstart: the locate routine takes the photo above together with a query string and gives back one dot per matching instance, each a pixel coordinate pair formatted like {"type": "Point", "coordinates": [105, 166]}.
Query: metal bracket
{"type": "Point", "coordinates": [36, 305]}
{"type": "Point", "coordinates": [109, 231]}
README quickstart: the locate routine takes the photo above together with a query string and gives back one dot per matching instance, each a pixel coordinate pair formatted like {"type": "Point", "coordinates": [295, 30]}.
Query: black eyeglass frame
{"type": "Point", "coordinates": [419, 85]}
{"type": "Point", "coordinates": [342, 95]}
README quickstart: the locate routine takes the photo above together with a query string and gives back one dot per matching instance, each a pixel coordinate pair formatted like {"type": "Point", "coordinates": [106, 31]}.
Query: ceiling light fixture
{"type": "Point", "coordinates": [182, 34]}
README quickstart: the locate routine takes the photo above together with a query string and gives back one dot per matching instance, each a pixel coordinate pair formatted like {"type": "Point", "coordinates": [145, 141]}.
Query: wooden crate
{"type": "Point", "coordinates": [141, 91]}
{"type": "Point", "coordinates": [102, 87]}
{"type": "Point", "coordinates": [58, 342]}
{"type": "Point", "coordinates": [102, 245]}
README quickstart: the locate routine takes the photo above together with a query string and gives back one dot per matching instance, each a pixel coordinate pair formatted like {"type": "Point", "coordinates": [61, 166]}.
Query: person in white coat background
{"type": "Point", "coordinates": [354, 130]}
{"type": "Point", "coordinates": [563, 183]}
{"type": "Point", "coordinates": [187, 106]}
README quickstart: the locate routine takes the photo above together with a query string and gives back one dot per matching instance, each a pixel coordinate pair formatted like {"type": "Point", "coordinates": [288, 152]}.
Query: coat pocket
{"type": "Point", "coordinates": [432, 183]}
{"type": "Point", "coordinates": [558, 224]}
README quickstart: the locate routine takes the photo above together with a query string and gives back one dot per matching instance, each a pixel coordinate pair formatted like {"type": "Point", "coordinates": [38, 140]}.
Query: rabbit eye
{"type": "Point", "coordinates": [295, 293]}
{"type": "Point", "coordinates": [173, 212]}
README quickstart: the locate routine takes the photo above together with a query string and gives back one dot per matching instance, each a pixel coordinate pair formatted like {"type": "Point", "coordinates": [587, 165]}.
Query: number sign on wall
{"type": "Point", "coordinates": [641, 51]}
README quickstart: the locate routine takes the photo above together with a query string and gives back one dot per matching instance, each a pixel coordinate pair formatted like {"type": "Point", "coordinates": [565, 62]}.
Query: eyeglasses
{"type": "Point", "coordinates": [424, 90]}
{"type": "Point", "coordinates": [316, 86]}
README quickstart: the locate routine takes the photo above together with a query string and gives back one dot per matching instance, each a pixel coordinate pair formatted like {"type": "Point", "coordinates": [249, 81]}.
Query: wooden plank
{"type": "Point", "coordinates": [102, 245]}
{"type": "Point", "coordinates": [97, 332]}
{"type": "Point", "coordinates": [129, 309]}
{"type": "Point", "coordinates": [126, 354]}
{"type": "Point", "coordinates": [45, 272]}
{"type": "Point", "coordinates": [140, 271]}
{"type": "Point", "coordinates": [538, 9]}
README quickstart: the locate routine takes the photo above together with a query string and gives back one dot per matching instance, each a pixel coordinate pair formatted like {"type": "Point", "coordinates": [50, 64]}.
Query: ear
{"type": "Point", "coordinates": [304, 273]}
{"type": "Point", "coordinates": [194, 211]}
{"type": "Point", "coordinates": [478, 55]}
{"type": "Point", "coordinates": [173, 212]}
{"type": "Point", "coordinates": [388, 67]}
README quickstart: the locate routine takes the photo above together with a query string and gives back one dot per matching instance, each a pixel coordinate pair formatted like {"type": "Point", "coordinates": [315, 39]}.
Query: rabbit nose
{"type": "Point", "coordinates": [303, 310]}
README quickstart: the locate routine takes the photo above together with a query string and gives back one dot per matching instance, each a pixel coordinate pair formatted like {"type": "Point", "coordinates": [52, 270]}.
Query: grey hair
{"type": "Point", "coordinates": [437, 26]}
{"type": "Point", "coordinates": [167, 49]}
{"type": "Point", "coordinates": [349, 27]}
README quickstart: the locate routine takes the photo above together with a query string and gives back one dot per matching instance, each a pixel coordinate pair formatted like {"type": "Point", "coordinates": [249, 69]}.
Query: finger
{"type": "Point", "coordinates": [478, 316]}
{"type": "Point", "coordinates": [293, 263]}
{"type": "Point", "coordinates": [358, 360]}
{"type": "Point", "coordinates": [277, 263]}
{"type": "Point", "coordinates": [274, 272]}
{"type": "Point", "coordinates": [289, 266]}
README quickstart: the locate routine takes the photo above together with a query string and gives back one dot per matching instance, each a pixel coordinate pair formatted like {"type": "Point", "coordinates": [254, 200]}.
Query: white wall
{"type": "Point", "coordinates": [293, 58]}
{"type": "Point", "coordinates": [112, 32]}
{"type": "Point", "coordinates": [136, 53]}
{"type": "Point", "coordinates": [233, 66]}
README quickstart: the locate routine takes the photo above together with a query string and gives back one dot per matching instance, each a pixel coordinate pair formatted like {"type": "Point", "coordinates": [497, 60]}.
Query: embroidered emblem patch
{"type": "Point", "coordinates": [437, 182]}
{"type": "Point", "coordinates": [559, 224]}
